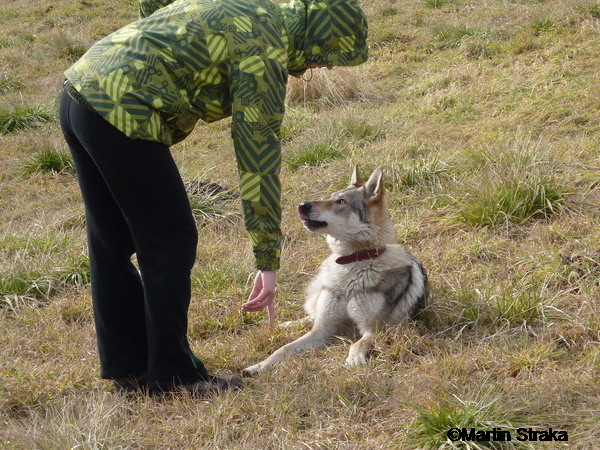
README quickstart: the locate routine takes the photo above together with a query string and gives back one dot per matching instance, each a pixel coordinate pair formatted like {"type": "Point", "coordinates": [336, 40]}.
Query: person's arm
{"type": "Point", "coordinates": [257, 88]}
{"type": "Point", "coordinates": [147, 7]}
{"type": "Point", "coordinates": [257, 96]}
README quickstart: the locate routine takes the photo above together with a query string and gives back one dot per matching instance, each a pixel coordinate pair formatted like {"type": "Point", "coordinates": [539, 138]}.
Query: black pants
{"type": "Point", "coordinates": [135, 202]}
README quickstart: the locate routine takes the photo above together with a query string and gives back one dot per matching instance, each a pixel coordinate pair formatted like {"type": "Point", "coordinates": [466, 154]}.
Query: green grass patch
{"type": "Point", "coordinates": [50, 161]}
{"type": "Point", "coordinates": [22, 118]}
{"type": "Point", "coordinates": [541, 25]}
{"type": "Point", "coordinates": [68, 47]}
{"type": "Point", "coordinates": [315, 155]}
{"type": "Point", "coordinates": [9, 83]}
{"type": "Point", "coordinates": [28, 37]}
{"type": "Point", "coordinates": [418, 173]}
{"type": "Point", "coordinates": [292, 126]}
{"type": "Point", "coordinates": [43, 285]}
{"type": "Point", "coordinates": [469, 311]}
{"type": "Point", "coordinates": [360, 131]}
{"type": "Point", "coordinates": [498, 201]}
{"type": "Point", "coordinates": [589, 9]}
{"type": "Point", "coordinates": [436, 3]}
{"type": "Point", "coordinates": [430, 429]}
{"type": "Point", "coordinates": [478, 50]}
{"type": "Point", "coordinates": [72, 51]}
{"type": "Point", "coordinates": [510, 186]}
{"type": "Point", "coordinates": [208, 208]}
{"type": "Point", "coordinates": [454, 36]}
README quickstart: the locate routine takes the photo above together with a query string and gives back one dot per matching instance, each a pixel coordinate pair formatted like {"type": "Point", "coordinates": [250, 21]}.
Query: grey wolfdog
{"type": "Point", "coordinates": [367, 283]}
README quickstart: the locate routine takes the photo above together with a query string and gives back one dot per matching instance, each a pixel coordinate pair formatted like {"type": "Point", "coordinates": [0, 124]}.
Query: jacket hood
{"type": "Point", "coordinates": [327, 32]}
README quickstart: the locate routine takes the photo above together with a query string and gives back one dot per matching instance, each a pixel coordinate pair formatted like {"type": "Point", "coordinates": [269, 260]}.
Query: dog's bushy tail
{"type": "Point", "coordinates": [418, 292]}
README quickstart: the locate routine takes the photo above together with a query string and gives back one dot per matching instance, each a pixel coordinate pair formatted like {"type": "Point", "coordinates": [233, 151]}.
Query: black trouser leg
{"type": "Point", "coordinates": [135, 203]}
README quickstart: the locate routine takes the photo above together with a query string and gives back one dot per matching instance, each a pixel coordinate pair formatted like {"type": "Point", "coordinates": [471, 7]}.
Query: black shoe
{"type": "Point", "coordinates": [203, 388]}
{"type": "Point", "coordinates": [229, 382]}
{"type": "Point", "coordinates": [131, 385]}
{"type": "Point", "coordinates": [214, 385]}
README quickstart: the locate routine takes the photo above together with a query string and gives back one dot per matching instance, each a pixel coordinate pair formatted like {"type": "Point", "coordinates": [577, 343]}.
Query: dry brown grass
{"type": "Point", "coordinates": [511, 338]}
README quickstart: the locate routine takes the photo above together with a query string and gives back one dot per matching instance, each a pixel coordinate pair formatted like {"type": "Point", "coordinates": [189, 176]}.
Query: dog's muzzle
{"type": "Point", "coordinates": [305, 209]}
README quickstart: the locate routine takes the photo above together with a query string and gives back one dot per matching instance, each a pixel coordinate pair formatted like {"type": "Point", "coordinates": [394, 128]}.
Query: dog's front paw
{"type": "Point", "coordinates": [355, 360]}
{"type": "Point", "coordinates": [251, 371]}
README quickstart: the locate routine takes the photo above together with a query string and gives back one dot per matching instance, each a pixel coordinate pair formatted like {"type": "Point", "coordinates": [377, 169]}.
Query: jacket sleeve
{"type": "Point", "coordinates": [257, 89]}
{"type": "Point", "coordinates": [147, 7]}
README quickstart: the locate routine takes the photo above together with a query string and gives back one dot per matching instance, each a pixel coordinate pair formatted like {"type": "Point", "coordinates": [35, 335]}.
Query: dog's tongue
{"type": "Point", "coordinates": [301, 214]}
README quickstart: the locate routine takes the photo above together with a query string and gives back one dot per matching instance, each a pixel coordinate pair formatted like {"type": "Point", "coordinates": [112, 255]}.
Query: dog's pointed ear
{"type": "Point", "coordinates": [356, 180]}
{"type": "Point", "coordinates": [374, 187]}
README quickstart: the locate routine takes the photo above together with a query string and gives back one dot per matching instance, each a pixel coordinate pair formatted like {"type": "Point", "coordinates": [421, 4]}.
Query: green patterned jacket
{"type": "Point", "coordinates": [190, 60]}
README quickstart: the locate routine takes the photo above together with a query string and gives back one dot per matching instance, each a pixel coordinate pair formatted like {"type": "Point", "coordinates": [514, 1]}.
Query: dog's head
{"type": "Point", "coordinates": [356, 213]}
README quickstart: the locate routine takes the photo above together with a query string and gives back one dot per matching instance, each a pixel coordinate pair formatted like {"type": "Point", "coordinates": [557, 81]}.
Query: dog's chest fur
{"type": "Point", "coordinates": [355, 280]}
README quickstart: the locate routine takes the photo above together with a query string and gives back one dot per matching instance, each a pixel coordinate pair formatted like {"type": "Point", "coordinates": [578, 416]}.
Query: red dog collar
{"type": "Point", "coordinates": [361, 256]}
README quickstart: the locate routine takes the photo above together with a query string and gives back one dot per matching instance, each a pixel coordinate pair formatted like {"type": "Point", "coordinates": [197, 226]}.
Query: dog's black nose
{"type": "Point", "coordinates": [304, 210]}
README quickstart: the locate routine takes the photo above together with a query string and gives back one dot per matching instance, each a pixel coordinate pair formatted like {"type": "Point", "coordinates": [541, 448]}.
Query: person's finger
{"type": "Point", "coordinates": [271, 313]}
{"type": "Point", "coordinates": [256, 287]}
{"type": "Point", "coordinates": [260, 302]}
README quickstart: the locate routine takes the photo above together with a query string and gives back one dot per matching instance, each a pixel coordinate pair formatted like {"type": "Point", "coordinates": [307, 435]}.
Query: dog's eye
{"type": "Point", "coordinates": [340, 201]}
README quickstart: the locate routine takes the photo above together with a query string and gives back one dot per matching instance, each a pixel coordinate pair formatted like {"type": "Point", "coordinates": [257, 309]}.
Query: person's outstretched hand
{"type": "Point", "coordinates": [263, 294]}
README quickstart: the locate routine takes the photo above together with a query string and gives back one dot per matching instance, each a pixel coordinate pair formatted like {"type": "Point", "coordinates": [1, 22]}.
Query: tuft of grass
{"type": "Point", "coordinates": [417, 173]}
{"type": "Point", "coordinates": [9, 83]}
{"type": "Point", "coordinates": [489, 309]}
{"type": "Point", "coordinates": [50, 161]}
{"type": "Point", "coordinates": [454, 36]}
{"type": "Point", "coordinates": [589, 9]}
{"type": "Point", "coordinates": [542, 24]}
{"type": "Point", "coordinates": [28, 37]}
{"type": "Point", "coordinates": [436, 3]}
{"type": "Point", "coordinates": [477, 50]}
{"type": "Point", "coordinates": [359, 130]}
{"type": "Point", "coordinates": [388, 11]}
{"type": "Point", "coordinates": [339, 87]}
{"type": "Point", "coordinates": [293, 125]}
{"type": "Point", "coordinates": [514, 308]}
{"type": "Point", "coordinates": [511, 200]}
{"type": "Point", "coordinates": [500, 200]}
{"type": "Point", "coordinates": [511, 187]}
{"type": "Point", "coordinates": [22, 118]}
{"type": "Point", "coordinates": [208, 208]}
{"type": "Point", "coordinates": [77, 273]}
{"type": "Point", "coordinates": [28, 284]}
{"type": "Point", "coordinates": [315, 155]}
{"type": "Point", "coordinates": [44, 285]}
{"type": "Point", "coordinates": [68, 47]}
{"type": "Point", "coordinates": [430, 429]}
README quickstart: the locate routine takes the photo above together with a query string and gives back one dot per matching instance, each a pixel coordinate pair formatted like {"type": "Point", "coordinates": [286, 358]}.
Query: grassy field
{"type": "Point", "coordinates": [486, 115]}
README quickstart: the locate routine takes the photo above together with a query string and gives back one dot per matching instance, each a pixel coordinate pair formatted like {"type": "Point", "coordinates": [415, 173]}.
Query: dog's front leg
{"type": "Point", "coordinates": [296, 323]}
{"type": "Point", "coordinates": [318, 337]}
{"type": "Point", "coordinates": [328, 317]}
{"type": "Point", "coordinates": [359, 351]}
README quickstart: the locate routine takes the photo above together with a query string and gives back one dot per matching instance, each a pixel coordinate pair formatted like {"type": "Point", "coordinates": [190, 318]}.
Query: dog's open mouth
{"type": "Point", "coordinates": [314, 224]}
{"type": "Point", "coordinates": [311, 224]}
{"type": "Point", "coordinates": [304, 211]}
